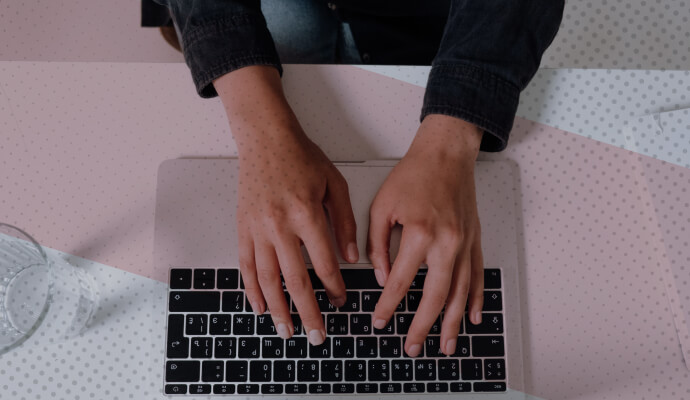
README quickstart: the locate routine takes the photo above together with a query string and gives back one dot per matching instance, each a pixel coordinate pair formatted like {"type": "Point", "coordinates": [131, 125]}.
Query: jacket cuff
{"type": "Point", "coordinates": [223, 44]}
{"type": "Point", "coordinates": [475, 95]}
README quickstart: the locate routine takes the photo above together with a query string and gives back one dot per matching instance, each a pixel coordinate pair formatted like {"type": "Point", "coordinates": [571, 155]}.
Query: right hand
{"type": "Point", "coordinates": [285, 183]}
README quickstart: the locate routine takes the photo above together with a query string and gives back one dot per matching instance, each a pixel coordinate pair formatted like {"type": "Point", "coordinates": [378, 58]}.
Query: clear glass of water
{"type": "Point", "coordinates": [41, 295]}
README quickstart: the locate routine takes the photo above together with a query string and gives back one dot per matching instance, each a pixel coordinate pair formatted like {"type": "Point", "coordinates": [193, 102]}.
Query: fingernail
{"type": "Point", "coordinates": [450, 346]}
{"type": "Point", "coordinates": [256, 308]}
{"type": "Point", "coordinates": [414, 350]}
{"type": "Point", "coordinates": [477, 317]}
{"type": "Point", "coordinates": [380, 323]}
{"type": "Point", "coordinates": [338, 301]}
{"type": "Point", "coordinates": [352, 253]}
{"type": "Point", "coordinates": [283, 331]}
{"type": "Point", "coordinates": [316, 337]}
{"type": "Point", "coordinates": [379, 277]}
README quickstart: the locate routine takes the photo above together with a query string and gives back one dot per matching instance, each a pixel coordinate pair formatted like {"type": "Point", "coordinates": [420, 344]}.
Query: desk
{"type": "Point", "coordinates": [81, 143]}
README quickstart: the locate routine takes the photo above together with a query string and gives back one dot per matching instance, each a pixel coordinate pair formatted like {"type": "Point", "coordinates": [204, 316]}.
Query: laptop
{"type": "Point", "coordinates": [216, 345]}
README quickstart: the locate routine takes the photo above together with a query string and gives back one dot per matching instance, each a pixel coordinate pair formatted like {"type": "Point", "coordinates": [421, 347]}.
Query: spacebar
{"type": "Point", "coordinates": [354, 278]}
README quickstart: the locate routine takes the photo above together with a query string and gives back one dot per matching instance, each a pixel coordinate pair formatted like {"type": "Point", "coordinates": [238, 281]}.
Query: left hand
{"type": "Point", "coordinates": [431, 193]}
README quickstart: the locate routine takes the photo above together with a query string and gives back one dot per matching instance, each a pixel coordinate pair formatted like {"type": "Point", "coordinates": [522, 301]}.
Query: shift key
{"type": "Point", "coordinates": [190, 301]}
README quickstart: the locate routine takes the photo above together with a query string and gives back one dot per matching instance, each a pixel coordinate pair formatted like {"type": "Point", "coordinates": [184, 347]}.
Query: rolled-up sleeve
{"type": "Point", "coordinates": [490, 51]}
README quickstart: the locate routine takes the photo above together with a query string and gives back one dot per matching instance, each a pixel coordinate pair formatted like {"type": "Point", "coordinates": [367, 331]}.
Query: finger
{"type": "Point", "coordinates": [248, 271]}
{"type": "Point", "coordinates": [268, 273]}
{"type": "Point", "coordinates": [320, 248]}
{"type": "Point", "coordinates": [436, 288]}
{"type": "Point", "coordinates": [476, 295]}
{"type": "Point", "coordinates": [300, 288]}
{"type": "Point", "coordinates": [337, 203]}
{"type": "Point", "coordinates": [378, 243]}
{"type": "Point", "coordinates": [455, 305]}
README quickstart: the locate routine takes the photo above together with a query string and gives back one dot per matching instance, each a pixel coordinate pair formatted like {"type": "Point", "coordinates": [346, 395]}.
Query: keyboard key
{"type": "Point", "coordinates": [247, 389]}
{"type": "Point", "coordinates": [343, 388]}
{"type": "Point", "coordinates": [355, 370]}
{"type": "Point", "coordinates": [175, 326]}
{"type": "Point", "coordinates": [390, 388]}
{"type": "Point", "coordinates": [307, 371]}
{"type": "Point", "coordinates": [436, 387]}
{"type": "Point", "coordinates": [297, 324]}
{"type": "Point", "coordinates": [236, 371]}
{"type": "Point", "coordinates": [284, 371]}
{"type": "Point", "coordinates": [401, 305]}
{"type": "Point", "coordinates": [319, 388]}
{"type": "Point", "coordinates": [272, 347]}
{"type": "Point", "coordinates": [224, 347]}
{"type": "Point", "coordinates": [336, 324]}
{"type": "Point", "coordinates": [471, 369]}
{"type": "Point", "coordinates": [228, 278]}
{"type": "Point", "coordinates": [403, 322]}
{"type": "Point", "coordinates": [271, 388]}
{"type": "Point", "coordinates": [201, 347]}
{"type": "Point", "coordinates": [360, 324]}
{"type": "Point", "coordinates": [425, 370]}
{"type": "Point", "coordinates": [389, 329]}
{"type": "Point", "coordinates": [413, 299]}
{"type": "Point", "coordinates": [494, 369]}
{"type": "Point", "coordinates": [321, 351]}
{"type": "Point", "coordinates": [248, 347]}
{"type": "Point", "coordinates": [177, 345]}
{"type": "Point", "coordinates": [369, 300]}
{"type": "Point", "coordinates": [204, 279]}
{"type": "Point", "coordinates": [413, 387]}
{"type": "Point", "coordinates": [296, 347]}
{"type": "Point", "coordinates": [182, 371]}
{"type": "Point", "coordinates": [205, 301]}
{"type": "Point", "coordinates": [296, 389]}
{"type": "Point", "coordinates": [223, 389]}
{"type": "Point", "coordinates": [487, 346]}
{"type": "Point", "coordinates": [351, 302]}
{"type": "Point", "coordinates": [491, 323]}
{"type": "Point", "coordinates": [196, 324]}
{"type": "Point", "coordinates": [181, 278]}
{"type": "Point", "coordinates": [212, 371]}
{"type": "Point", "coordinates": [462, 347]}
{"type": "Point", "coordinates": [366, 347]}
{"type": "Point", "coordinates": [323, 301]}
{"type": "Point", "coordinates": [436, 327]}
{"type": "Point", "coordinates": [489, 386]}
{"type": "Point", "coordinates": [389, 346]}
{"type": "Point", "coordinates": [448, 370]}
{"type": "Point", "coordinates": [332, 371]}
{"type": "Point", "coordinates": [260, 371]}
{"type": "Point", "coordinates": [199, 389]}
{"type": "Point", "coordinates": [220, 324]}
{"type": "Point", "coordinates": [492, 279]}
{"type": "Point", "coordinates": [233, 301]}
{"type": "Point", "coordinates": [367, 388]}
{"type": "Point", "coordinates": [379, 370]}
{"type": "Point", "coordinates": [493, 301]}
{"type": "Point", "coordinates": [359, 278]}
{"type": "Point", "coordinates": [243, 324]}
{"type": "Point", "coordinates": [264, 325]}
{"type": "Point", "coordinates": [460, 387]}
{"type": "Point", "coordinates": [343, 347]}
{"type": "Point", "coordinates": [418, 281]}
{"type": "Point", "coordinates": [176, 389]}
{"type": "Point", "coordinates": [433, 346]}
{"type": "Point", "coordinates": [402, 370]}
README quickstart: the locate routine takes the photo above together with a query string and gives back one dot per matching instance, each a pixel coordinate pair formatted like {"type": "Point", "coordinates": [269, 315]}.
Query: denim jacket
{"type": "Point", "coordinates": [488, 50]}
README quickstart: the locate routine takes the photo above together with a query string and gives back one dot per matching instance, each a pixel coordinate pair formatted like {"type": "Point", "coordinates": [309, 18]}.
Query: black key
{"type": "Point", "coordinates": [351, 302]}
{"type": "Point", "coordinates": [264, 325]}
{"type": "Point", "coordinates": [413, 299]}
{"type": "Point", "coordinates": [175, 389]}
{"type": "Point", "coordinates": [389, 346]}
{"type": "Point", "coordinates": [421, 352]}
{"type": "Point", "coordinates": [402, 370]}
{"type": "Point", "coordinates": [260, 371]}
{"type": "Point", "coordinates": [360, 324]}
{"type": "Point", "coordinates": [199, 389]}
{"type": "Point", "coordinates": [425, 370]}
{"type": "Point", "coordinates": [367, 388]}
{"type": "Point", "coordinates": [336, 324]}
{"type": "Point", "coordinates": [212, 371]}
{"type": "Point", "coordinates": [319, 388]}
{"type": "Point", "coordinates": [223, 389]}
{"type": "Point", "coordinates": [247, 389]}
{"type": "Point", "coordinates": [492, 279]}
{"type": "Point", "coordinates": [436, 327]}
{"type": "Point", "coordinates": [491, 323]}
{"type": "Point", "coordinates": [332, 371]}
{"type": "Point", "coordinates": [343, 347]}
{"type": "Point", "coordinates": [272, 347]}
{"type": "Point", "coordinates": [296, 389]}
{"type": "Point", "coordinates": [413, 387]}
{"type": "Point", "coordinates": [390, 388]}
{"type": "Point", "coordinates": [233, 301]}
{"type": "Point", "coordinates": [248, 347]}
{"type": "Point", "coordinates": [284, 371]}
{"type": "Point", "coordinates": [243, 324]}
{"type": "Point", "coordinates": [202, 347]}
{"type": "Point", "coordinates": [307, 371]}
{"type": "Point", "coordinates": [489, 386]}
{"type": "Point", "coordinates": [180, 279]}
{"type": "Point", "coordinates": [224, 347]}
{"type": "Point", "coordinates": [204, 278]}
{"type": "Point", "coordinates": [369, 300]}
{"type": "Point", "coordinates": [228, 278]}
{"type": "Point", "coordinates": [379, 370]}
{"type": "Point", "coordinates": [401, 305]}
{"type": "Point", "coordinates": [315, 281]}
{"type": "Point", "coordinates": [355, 370]}
{"type": "Point", "coordinates": [248, 305]}
{"type": "Point", "coordinates": [487, 346]}
{"type": "Point", "coordinates": [471, 369]}
{"type": "Point", "coordinates": [321, 351]}
{"type": "Point", "coordinates": [182, 371]}
{"type": "Point", "coordinates": [175, 326]}
{"type": "Point", "coordinates": [359, 278]}
{"type": "Point", "coordinates": [236, 371]}
{"type": "Point", "coordinates": [462, 347]}
{"type": "Point", "coordinates": [196, 324]}
{"type": "Point", "coordinates": [493, 301]}
{"type": "Point", "coordinates": [433, 346]}
{"type": "Point", "coordinates": [389, 329]}
{"type": "Point", "coordinates": [403, 322]}
{"type": "Point", "coordinates": [178, 345]}
{"type": "Point", "coordinates": [460, 387]}
{"type": "Point", "coordinates": [448, 370]}
{"type": "Point", "coordinates": [323, 301]}
{"type": "Point", "coordinates": [271, 388]}
{"type": "Point", "coordinates": [194, 301]}
{"type": "Point", "coordinates": [220, 324]}
{"type": "Point", "coordinates": [366, 347]}
{"type": "Point", "coordinates": [343, 388]}
{"type": "Point", "coordinates": [436, 387]}
{"type": "Point", "coordinates": [296, 347]}
{"type": "Point", "coordinates": [296, 324]}
{"type": "Point", "coordinates": [494, 369]}
{"type": "Point", "coordinates": [418, 281]}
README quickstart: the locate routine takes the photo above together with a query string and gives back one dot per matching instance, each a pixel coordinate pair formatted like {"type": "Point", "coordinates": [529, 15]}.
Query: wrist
{"type": "Point", "coordinates": [447, 137]}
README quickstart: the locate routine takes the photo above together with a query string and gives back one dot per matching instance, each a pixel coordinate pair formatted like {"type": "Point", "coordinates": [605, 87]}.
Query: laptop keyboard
{"type": "Point", "coordinates": [216, 345]}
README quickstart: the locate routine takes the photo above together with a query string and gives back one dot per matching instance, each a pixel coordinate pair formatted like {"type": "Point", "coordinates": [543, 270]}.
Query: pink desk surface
{"type": "Point", "coordinates": [80, 144]}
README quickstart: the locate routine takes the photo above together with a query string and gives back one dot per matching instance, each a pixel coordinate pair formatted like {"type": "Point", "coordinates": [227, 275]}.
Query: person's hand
{"type": "Point", "coordinates": [431, 193]}
{"type": "Point", "coordinates": [284, 184]}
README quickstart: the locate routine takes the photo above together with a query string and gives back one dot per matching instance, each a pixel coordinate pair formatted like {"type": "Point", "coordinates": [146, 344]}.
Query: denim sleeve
{"type": "Point", "coordinates": [220, 36]}
{"type": "Point", "coordinates": [490, 51]}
